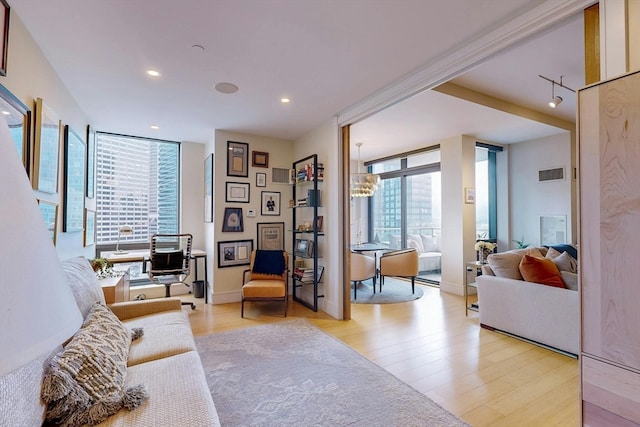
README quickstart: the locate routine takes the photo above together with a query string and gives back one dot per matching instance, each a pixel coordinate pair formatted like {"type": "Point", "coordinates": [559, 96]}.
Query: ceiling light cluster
{"type": "Point", "coordinates": [363, 184]}
{"type": "Point", "coordinates": [555, 99]}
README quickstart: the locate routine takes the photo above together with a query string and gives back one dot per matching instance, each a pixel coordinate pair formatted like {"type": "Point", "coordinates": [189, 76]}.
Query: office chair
{"type": "Point", "coordinates": [170, 258]}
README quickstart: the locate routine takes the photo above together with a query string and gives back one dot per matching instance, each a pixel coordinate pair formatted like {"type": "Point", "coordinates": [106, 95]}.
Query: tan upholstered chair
{"type": "Point", "coordinates": [261, 282]}
{"type": "Point", "coordinates": [401, 263]}
{"type": "Point", "coordinates": [363, 267]}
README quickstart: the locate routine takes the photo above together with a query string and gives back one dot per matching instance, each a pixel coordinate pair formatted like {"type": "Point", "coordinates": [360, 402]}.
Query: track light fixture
{"type": "Point", "coordinates": [555, 99]}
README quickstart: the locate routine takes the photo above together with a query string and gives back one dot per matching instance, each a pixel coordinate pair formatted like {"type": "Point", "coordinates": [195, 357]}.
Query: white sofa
{"type": "Point", "coordinates": [164, 360]}
{"type": "Point", "coordinates": [543, 314]}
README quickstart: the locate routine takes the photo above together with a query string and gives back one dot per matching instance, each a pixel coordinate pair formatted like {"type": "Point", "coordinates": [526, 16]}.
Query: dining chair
{"type": "Point", "coordinates": [363, 267]}
{"type": "Point", "coordinates": [400, 263]}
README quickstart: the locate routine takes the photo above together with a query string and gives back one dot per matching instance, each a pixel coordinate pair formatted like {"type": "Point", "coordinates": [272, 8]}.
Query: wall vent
{"type": "Point", "coordinates": [555, 174]}
{"type": "Point", "coordinates": [280, 176]}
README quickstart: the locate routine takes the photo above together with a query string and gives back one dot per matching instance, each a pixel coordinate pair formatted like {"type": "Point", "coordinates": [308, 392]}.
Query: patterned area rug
{"type": "Point", "coordinates": [394, 290]}
{"type": "Point", "coordinates": [291, 373]}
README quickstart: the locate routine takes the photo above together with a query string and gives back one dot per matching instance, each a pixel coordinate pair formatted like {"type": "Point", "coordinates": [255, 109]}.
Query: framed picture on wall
{"type": "Point", "coordinates": [237, 192]}
{"type": "Point", "coordinates": [89, 227]}
{"type": "Point", "coordinates": [50, 216]}
{"type": "Point", "coordinates": [17, 117]}
{"type": "Point", "coordinates": [74, 181]}
{"type": "Point", "coordinates": [260, 159]}
{"type": "Point", "coordinates": [270, 203]}
{"type": "Point", "coordinates": [91, 162]}
{"type": "Point", "coordinates": [261, 179]}
{"type": "Point", "coordinates": [271, 236]}
{"type": "Point", "coordinates": [4, 39]}
{"type": "Point", "coordinates": [232, 220]}
{"type": "Point", "coordinates": [46, 149]}
{"type": "Point", "coordinates": [234, 253]}
{"type": "Point", "coordinates": [237, 159]}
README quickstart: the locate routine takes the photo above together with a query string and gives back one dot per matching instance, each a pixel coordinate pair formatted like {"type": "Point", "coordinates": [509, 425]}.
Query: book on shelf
{"type": "Point", "coordinates": [306, 274]}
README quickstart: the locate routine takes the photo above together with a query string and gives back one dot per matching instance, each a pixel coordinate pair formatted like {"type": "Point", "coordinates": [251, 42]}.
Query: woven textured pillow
{"type": "Point", "coordinates": [84, 384]}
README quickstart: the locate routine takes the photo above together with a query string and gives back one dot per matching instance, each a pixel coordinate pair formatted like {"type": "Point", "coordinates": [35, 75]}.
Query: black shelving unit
{"type": "Point", "coordinates": [306, 233]}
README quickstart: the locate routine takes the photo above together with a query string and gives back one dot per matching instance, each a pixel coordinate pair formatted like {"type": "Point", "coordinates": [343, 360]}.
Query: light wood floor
{"type": "Point", "coordinates": [483, 377]}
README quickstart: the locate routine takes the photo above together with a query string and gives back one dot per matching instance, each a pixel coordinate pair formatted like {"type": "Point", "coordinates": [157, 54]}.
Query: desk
{"type": "Point", "coordinates": [371, 247]}
{"type": "Point", "coordinates": [142, 256]}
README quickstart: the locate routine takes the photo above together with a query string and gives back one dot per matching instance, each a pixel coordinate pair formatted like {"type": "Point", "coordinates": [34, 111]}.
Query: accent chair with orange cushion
{"type": "Point", "coordinates": [266, 278]}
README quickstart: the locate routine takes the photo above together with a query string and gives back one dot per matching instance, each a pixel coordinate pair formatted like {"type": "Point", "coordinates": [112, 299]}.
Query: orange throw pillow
{"type": "Point", "coordinates": [541, 270]}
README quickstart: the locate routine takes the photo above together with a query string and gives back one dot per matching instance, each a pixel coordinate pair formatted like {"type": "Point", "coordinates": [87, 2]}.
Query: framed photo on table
{"type": "Point", "coordinates": [75, 155]}
{"type": "Point", "coordinates": [270, 203]}
{"type": "Point", "coordinates": [237, 192]}
{"type": "Point", "coordinates": [237, 159]}
{"type": "Point", "coordinates": [271, 236]}
{"type": "Point", "coordinates": [234, 253]}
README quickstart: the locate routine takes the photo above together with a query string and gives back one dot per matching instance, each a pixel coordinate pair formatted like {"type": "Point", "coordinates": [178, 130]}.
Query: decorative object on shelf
{"type": "Point", "coordinates": [319, 222]}
{"type": "Point", "coordinates": [270, 203]}
{"type": "Point", "coordinates": [50, 215]}
{"type": "Point", "coordinates": [304, 248]}
{"type": "Point", "coordinates": [125, 230]}
{"type": "Point", "coordinates": [484, 248]}
{"type": "Point", "coordinates": [232, 220]}
{"type": "Point", "coordinates": [261, 179]}
{"type": "Point", "coordinates": [5, 13]}
{"type": "Point", "coordinates": [237, 192]}
{"type": "Point", "coordinates": [46, 149]}
{"type": "Point", "coordinates": [521, 244]}
{"type": "Point", "coordinates": [237, 159]}
{"type": "Point", "coordinates": [74, 181]}
{"type": "Point", "coordinates": [89, 237]}
{"type": "Point", "coordinates": [234, 253]}
{"type": "Point", "coordinates": [469, 195]}
{"type": "Point", "coordinates": [271, 236]}
{"type": "Point", "coordinates": [363, 184]}
{"type": "Point", "coordinates": [208, 189]}
{"type": "Point", "coordinates": [260, 159]}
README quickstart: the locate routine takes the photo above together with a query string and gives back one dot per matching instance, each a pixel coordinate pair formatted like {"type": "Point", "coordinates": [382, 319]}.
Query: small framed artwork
{"type": "Point", "coordinates": [270, 203]}
{"type": "Point", "coordinates": [91, 162]}
{"type": "Point", "coordinates": [17, 117]}
{"type": "Point", "coordinates": [237, 159]}
{"type": "Point", "coordinates": [261, 179]}
{"type": "Point", "coordinates": [4, 41]}
{"type": "Point", "coordinates": [553, 229]}
{"type": "Point", "coordinates": [234, 253]}
{"type": "Point", "coordinates": [74, 181]}
{"type": "Point", "coordinates": [303, 248]}
{"type": "Point", "coordinates": [50, 216]}
{"type": "Point", "coordinates": [260, 159]}
{"type": "Point", "coordinates": [469, 195]}
{"type": "Point", "coordinates": [46, 149]}
{"type": "Point", "coordinates": [208, 189]}
{"type": "Point", "coordinates": [232, 220]}
{"type": "Point", "coordinates": [89, 227]}
{"type": "Point", "coordinates": [271, 236]}
{"type": "Point", "coordinates": [237, 192]}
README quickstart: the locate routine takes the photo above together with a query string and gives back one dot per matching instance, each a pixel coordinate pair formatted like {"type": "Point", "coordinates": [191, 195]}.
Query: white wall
{"type": "Point", "coordinates": [30, 76]}
{"type": "Point", "coordinates": [227, 282]}
{"type": "Point", "coordinates": [528, 198]}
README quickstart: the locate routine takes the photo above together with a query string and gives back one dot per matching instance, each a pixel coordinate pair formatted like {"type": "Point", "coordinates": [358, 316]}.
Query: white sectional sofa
{"type": "Point", "coordinates": [543, 314]}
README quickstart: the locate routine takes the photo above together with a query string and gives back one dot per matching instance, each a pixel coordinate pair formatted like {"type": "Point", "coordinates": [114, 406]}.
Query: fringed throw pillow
{"type": "Point", "coordinates": [84, 384]}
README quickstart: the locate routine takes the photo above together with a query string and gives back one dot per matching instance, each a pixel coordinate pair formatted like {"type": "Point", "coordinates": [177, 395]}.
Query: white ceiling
{"type": "Point", "coordinates": [325, 55]}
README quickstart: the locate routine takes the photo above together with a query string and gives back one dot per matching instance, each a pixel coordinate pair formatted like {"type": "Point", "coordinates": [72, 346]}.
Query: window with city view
{"type": "Point", "coordinates": [137, 185]}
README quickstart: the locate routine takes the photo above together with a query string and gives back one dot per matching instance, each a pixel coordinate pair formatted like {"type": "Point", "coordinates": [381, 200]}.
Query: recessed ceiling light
{"type": "Point", "coordinates": [153, 73]}
{"type": "Point", "coordinates": [6, 113]}
{"type": "Point", "coordinates": [155, 127]}
{"type": "Point", "coordinates": [224, 87]}
{"type": "Point", "coordinates": [285, 100]}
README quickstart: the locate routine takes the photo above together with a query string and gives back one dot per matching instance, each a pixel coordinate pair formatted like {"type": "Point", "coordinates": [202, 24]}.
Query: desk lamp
{"type": "Point", "coordinates": [125, 230]}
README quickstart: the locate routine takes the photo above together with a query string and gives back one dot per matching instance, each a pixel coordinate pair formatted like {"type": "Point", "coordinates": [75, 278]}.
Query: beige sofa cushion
{"type": "Point", "coordinates": [179, 395]}
{"type": "Point", "coordinates": [507, 264]}
{"type": "Point", "coordinates": [165, 334]}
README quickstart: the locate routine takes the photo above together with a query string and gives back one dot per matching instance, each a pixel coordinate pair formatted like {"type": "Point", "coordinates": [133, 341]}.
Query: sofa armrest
{"type": "Point", "coordinates": [130, 309]}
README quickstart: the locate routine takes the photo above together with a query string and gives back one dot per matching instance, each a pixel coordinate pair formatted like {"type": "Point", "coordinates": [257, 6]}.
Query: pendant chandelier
{"type": "Point", "coordinates": [363, 184]}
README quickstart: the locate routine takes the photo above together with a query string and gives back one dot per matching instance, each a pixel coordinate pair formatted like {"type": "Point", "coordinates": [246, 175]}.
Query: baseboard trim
{"type": "Point", "coordinates": [539, 344]}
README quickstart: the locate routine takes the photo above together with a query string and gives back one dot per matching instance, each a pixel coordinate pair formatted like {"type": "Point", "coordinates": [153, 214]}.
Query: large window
{"type": "Point", "coordinates": [138, 186]}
